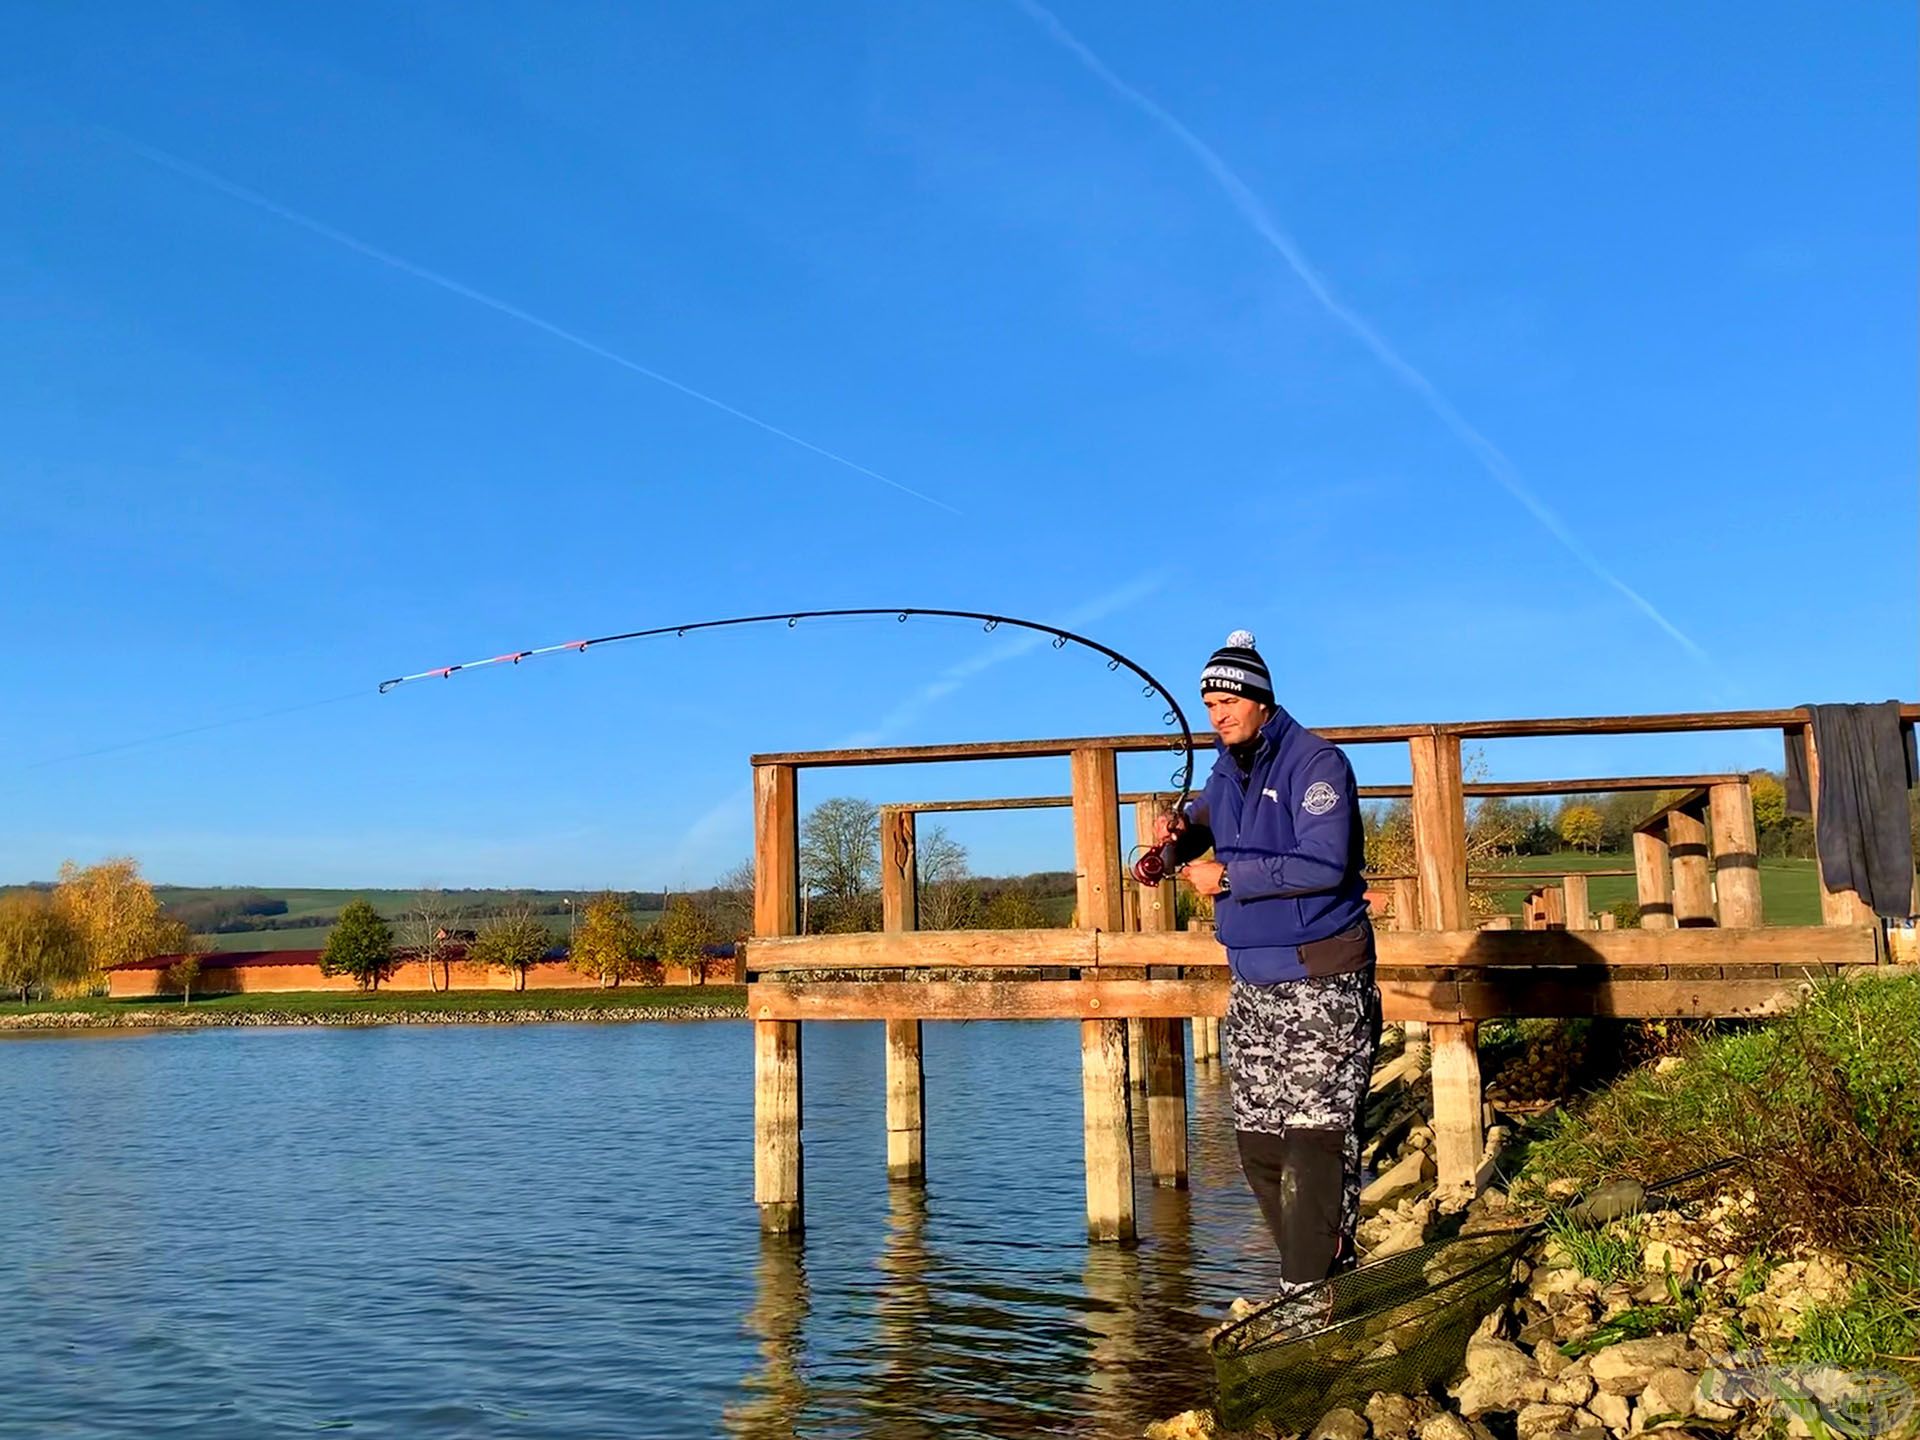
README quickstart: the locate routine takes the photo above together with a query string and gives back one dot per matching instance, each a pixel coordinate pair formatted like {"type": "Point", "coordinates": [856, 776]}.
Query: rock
{"type": "Point", "coordinates": [1660, 1257]}
{"type": "Point", "coordinates": [1187, 1425]}
{"type": "Point", "coordinates": [1391, 1416]}
{"type": "Point", "coordinates": [1611, 1411]}
{"type": "Point", "coordinates": [1500, 1376]}
{"type": "Point", "coordinates": [1570, 1387]}
{"type": "Point", "coordinates": [1407, 1233]}
{"type": "Point", "coordinates": [1541, 1419]}
{"type": "Point", "coordinates": [1404, 1178]}
{"type": "Point", "coordinates": [1611, 1201]}
{"type": "Point", "coordinates": [1719, 1394]}
{"type": "Point", "coordinates": [1492, 1326]}
{"type": "Point", "coordinates": [1445, 1426]}
{"type": "Point", "coordinates": [1341, 1424]}
{"type": "Point", "coordinates": [1667, 1064]}
{"type": "Point", "coordinates": [1551, 1362]}
{"type": "Point", "coordinates": [1549, 1282]}
{"type": "Point", "coordinates": [1624, 1369]}
{"type": "Point", "coordinates": [1536, 1333]}
{"type": "Point", "coordinates": [1668, 1393]}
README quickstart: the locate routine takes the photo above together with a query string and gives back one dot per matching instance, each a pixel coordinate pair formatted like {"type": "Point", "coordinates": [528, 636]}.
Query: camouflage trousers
{"type": "Point", "coordinates": [1300, 1055]}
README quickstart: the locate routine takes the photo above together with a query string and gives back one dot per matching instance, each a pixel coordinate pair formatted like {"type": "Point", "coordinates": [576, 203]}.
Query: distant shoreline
{"type": "Point", "coordinates": [301, 1010]}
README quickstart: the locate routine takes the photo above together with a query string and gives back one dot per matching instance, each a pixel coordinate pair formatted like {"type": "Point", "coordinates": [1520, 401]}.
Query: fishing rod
{"type": "Point", "coordinates": [1061, 638]}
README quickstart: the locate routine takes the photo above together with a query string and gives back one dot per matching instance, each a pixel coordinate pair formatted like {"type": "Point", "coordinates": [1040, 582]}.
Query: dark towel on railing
{"type": "Point", "coordinates": [1867, 765]}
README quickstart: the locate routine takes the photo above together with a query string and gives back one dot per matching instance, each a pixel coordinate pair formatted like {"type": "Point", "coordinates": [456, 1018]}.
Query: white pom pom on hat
{"type": "Point", "coordinates": [1241, 640]}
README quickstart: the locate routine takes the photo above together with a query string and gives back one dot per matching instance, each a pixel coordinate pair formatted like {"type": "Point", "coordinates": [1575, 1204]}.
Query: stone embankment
{"type": "Point", "coordinates": [1670, 1340]}
{"type": "Point", "coordinates": [185, 1017]}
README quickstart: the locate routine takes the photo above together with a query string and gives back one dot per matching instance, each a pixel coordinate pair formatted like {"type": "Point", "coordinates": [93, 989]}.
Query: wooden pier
{"type": "Point", "coordinates": [1132, 979]}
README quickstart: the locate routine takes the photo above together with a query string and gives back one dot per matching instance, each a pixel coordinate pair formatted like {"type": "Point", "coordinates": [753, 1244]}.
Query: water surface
{"type": "Point", "coordinates": [548, 1231]}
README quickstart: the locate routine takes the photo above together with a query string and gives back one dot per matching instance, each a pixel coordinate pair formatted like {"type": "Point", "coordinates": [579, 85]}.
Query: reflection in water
{"type": "Point", "coordinates": [776, 1391]}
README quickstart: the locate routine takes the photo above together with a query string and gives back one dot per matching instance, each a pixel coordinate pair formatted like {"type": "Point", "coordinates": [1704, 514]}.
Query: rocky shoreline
{"type": "Point", "coordinates": [186, 1018]}
{"type": "Point", "coordinates": [1671, 1335]}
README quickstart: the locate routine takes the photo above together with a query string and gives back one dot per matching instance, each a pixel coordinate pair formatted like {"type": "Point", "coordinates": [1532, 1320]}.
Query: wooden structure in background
{"type": "Point", "coordinates": [1125, 961]}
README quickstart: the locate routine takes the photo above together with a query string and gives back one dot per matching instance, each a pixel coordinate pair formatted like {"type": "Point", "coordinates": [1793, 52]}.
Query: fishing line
{"type": "Point", "coordinates": [1060, 638]}
{"type": "Point", "coordinates": [195, 730]}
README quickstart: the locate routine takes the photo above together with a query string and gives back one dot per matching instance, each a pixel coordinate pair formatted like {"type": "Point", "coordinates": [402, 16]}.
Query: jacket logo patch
{"type": "Point", "coordinates": [1272, 795]}
{"type": "Point", "coordinates": [1320, 798]}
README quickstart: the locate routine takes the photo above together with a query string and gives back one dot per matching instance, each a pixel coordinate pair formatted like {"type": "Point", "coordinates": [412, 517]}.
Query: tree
{"type": "Point", "coordinates": [1581, 827]}
{"type": "Point", "coordinates": [423, 932]}
{"type": "Point", "coordinates": [513, 942]}
{"type": "Point", "coordinates": [948, 898]}
{"type": "Point", "coordinates": [173, 936]}
{"type": "Point", "coordinates": [41, 945]}
{"type": "Point", "coordinates": [840, 850]}
{"type": "Point", "coordinates": [1013, 909]}
{"type": "Point", "coordinates": [607, 943]}
{"type": "Point", "coordinates": [683, 934]}
{"type": "Point", "coordinates": [181, 974]}
{"type": "Point", "coordinates": [115, 910]}
{"type": "Point", "coordinates": [732, 901]}
{"type": "Point", "coordinates": [1769, 801]}
{"type": "Point", "coordinates": [360, 944]}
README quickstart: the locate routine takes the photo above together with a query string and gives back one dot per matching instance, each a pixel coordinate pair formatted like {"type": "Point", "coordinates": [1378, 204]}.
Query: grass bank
{"type": "Point", "coordinates": [1821, 1111]}
{"type": "Point", "coordinates": [380, 1007]}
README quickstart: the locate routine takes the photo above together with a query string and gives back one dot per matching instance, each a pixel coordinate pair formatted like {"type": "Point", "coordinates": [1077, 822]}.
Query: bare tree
{"type": "Point", "coordinates": [840, 860]}
{"type": "Point", "coordinates": [948, 898]}
{"type": "Point", "coordinates": [732, 901]}
{"type": "Point", "coordinates": [423, 931]}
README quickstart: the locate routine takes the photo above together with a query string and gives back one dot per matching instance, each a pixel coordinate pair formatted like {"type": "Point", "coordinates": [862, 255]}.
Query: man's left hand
{"type": "Point", "coordinates": [1206, 876]}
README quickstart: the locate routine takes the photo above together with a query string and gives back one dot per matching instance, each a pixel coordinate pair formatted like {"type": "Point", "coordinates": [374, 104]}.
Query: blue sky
{"type": "Point", "coordinates": [1488, 361]}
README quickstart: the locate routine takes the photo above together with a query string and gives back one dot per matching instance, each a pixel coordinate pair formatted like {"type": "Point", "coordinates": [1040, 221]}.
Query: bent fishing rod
{"type": "Point", "coordinates": [1061, 638]}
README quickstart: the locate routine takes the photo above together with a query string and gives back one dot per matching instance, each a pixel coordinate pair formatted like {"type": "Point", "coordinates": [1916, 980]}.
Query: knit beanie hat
{"type": "Point", "coordinates": [1237, 669]}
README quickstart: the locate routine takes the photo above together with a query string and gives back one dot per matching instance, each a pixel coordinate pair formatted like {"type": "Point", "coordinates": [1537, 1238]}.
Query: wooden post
{"type": "Point", "coordinates": [1736, 854]}
{"type": "Point", "coordinates": [1440, 852]}
{"type": "Point", "coordinates": [779, 1178]}
{"type": "Point", "coordinates": [1579, 908]}
{"type": "Point", "coordinates": [1406, 916]}
{"type": "Point", "coordinates": [1553, 902]}
{"type": "Point", "coordinates": [1136, 1053]}
{"type": "Point", "coordinates": [1107, 1129]}
{"type": "Point", "coordinates": [1163, 1048]}
{"type": "Point", "coordinates": [899, 876]}
{"type": "Point", "coordinates": [1837, 907]}
{"type": "Point", "coordinates": [906, 1069]}
{"type": "Point", "coordinates": [1692, 878]}
{"type": "Point", "coordinates": [1652, 883]}
{"type": "Point", "coordinates": [1607, 920]}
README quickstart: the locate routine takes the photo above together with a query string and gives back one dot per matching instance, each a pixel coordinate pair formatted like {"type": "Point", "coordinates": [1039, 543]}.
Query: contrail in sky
{"type": "Point", "coordinates": [1255, 213]}
{"type": "Point", "coordinates": [513, 312]}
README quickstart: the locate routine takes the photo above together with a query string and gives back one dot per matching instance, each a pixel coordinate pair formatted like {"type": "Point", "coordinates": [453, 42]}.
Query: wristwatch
{"type": "Point", "coordinates": [1226, 885]}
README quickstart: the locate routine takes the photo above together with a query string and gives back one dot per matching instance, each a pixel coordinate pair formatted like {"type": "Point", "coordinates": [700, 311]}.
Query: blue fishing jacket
{"type": "Point", "coordinates": [1288, 831]}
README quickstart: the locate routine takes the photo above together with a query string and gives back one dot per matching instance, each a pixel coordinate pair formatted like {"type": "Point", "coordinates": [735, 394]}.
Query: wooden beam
{"type": "Point", "coordinates": [778, 1169]}
{"type": "Point", "coordinates": [1553, 900]}
{"type": "Point", "coordinates": [1106, 1129]}
{"type": "Point", "coordinates": [1692, 875]}
{"type": "Point", "coordinates": [1096, 841]}
{"type": "Point", "coordinates": [1446, 1004]}
{"type": "Point", "coordinates": [776, 851]}
{"type": "Point", "coordinates": [1440, 854]}
{"type": "Point", "coordinates": [1736, 853]}
{"type": "Point", "coordinates": [899, 876]}
{"type": "Point", "coordinates": [1159, 903]}
{"type": "Point", "coordinates": [1652, 880]}
{"type": "Point", "coordinates": [1655, 820]}
{"type": "Point", "coordinates": [1070, 950]}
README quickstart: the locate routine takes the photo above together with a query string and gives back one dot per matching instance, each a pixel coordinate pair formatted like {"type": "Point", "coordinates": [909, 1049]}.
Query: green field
{"type": "Point", "coordinates": [1789, 889]}
{"type": "Point", "coordinates": [348, 1005]}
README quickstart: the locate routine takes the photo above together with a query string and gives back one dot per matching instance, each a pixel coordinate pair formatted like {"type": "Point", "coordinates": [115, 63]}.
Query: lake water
{"type": "Point", "coordinates": [548, 1231]}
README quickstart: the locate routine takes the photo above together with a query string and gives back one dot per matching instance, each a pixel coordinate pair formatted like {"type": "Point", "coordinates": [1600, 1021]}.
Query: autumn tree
{"type": "Point", "coordinates": [683, 934]}
{"type": "Point", "coordinates": [360, 944]}
{"type": "Point", "coordinates": [174, 938]}
{"type": "Point", "coordinates": [41, 944]}
{"type": "Point", "coordinates": [514, 942]}
{"type": "Point", "coordinates": [115, 909]}
{"type": "Point", "coordinates": [1581, 826]}
{"type": "Point", "coordinates": [1013, 909]}
{"type": "Point", "coordinates": [607, 943]}
{"type": "Point", "coordinates": [181, 974]}
{"type": "Point", "coordinates": [423, 934]}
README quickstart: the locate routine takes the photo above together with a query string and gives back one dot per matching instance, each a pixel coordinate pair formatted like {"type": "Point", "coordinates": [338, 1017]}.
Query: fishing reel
{"type": "Point", "coordinates": [1154, 865]}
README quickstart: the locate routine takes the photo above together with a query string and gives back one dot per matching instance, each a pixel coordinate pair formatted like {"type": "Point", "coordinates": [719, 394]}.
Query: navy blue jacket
{"type": "Point", "coordinates": [1289, 833]}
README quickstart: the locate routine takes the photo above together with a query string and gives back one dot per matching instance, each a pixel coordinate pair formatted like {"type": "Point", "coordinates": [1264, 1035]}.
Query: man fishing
{"type": "Point", "coordinates": [1280, 815]}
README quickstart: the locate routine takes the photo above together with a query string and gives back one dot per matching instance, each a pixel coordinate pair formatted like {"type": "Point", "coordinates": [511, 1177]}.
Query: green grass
{"type": "Point", "coordinates": [1605, 1253]}
{"type": "Point", "coordinates": [390, 1002]}
{"type": "Point", "coordinates": [1789, 889]}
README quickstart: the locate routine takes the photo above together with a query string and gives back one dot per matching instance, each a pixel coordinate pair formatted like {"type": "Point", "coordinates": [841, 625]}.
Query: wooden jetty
{"type": "Point", "coordinates": [1701, 950]}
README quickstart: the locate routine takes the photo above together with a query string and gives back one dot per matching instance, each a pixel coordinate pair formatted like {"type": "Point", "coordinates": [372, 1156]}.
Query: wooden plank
{"type": "Point", "coordinates": [1736, 853]}
{"type": "Point", "coordinates": [776, 851]}
{"type": "Point", "coordinates": [899, 877]}
{"type": "Point", "coordinates": [1158, 903]}
{"type": "Point", "coordinates": [1661, 724]}
{"type": "Point", "coordinates": [1406, 903]}
{"type": "Point", "coordinates": [1486, 789]}
{"type": "Point", "coordinates": [1692, 875]}
{"type": "Point", "coordinates": [1439, 831]}
{"type": "Point", "coordinates": [1655, 820]}
{"type": "Point", "coordinates": [1553, 900]}
{"type": "Point", "coordinates": [1167, 1102]}
{"type": "Point", "coordinates": [1428, 949]}
{"type": "Point", "coordinates": [778, 1172]}
{"type": "Point", "coordinates": [1047, 999]}
{"type": "Point", "coordinates": [1652, 880]}
{"type": "Point", "coordinates": [1454, 1065]}
{"type": "Point", "coordinates": [1575, 903]}
{"type": "Point", "coordinates": [1107, 1129]}
{"type": "Point", "coordinates": [1096, 841]}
